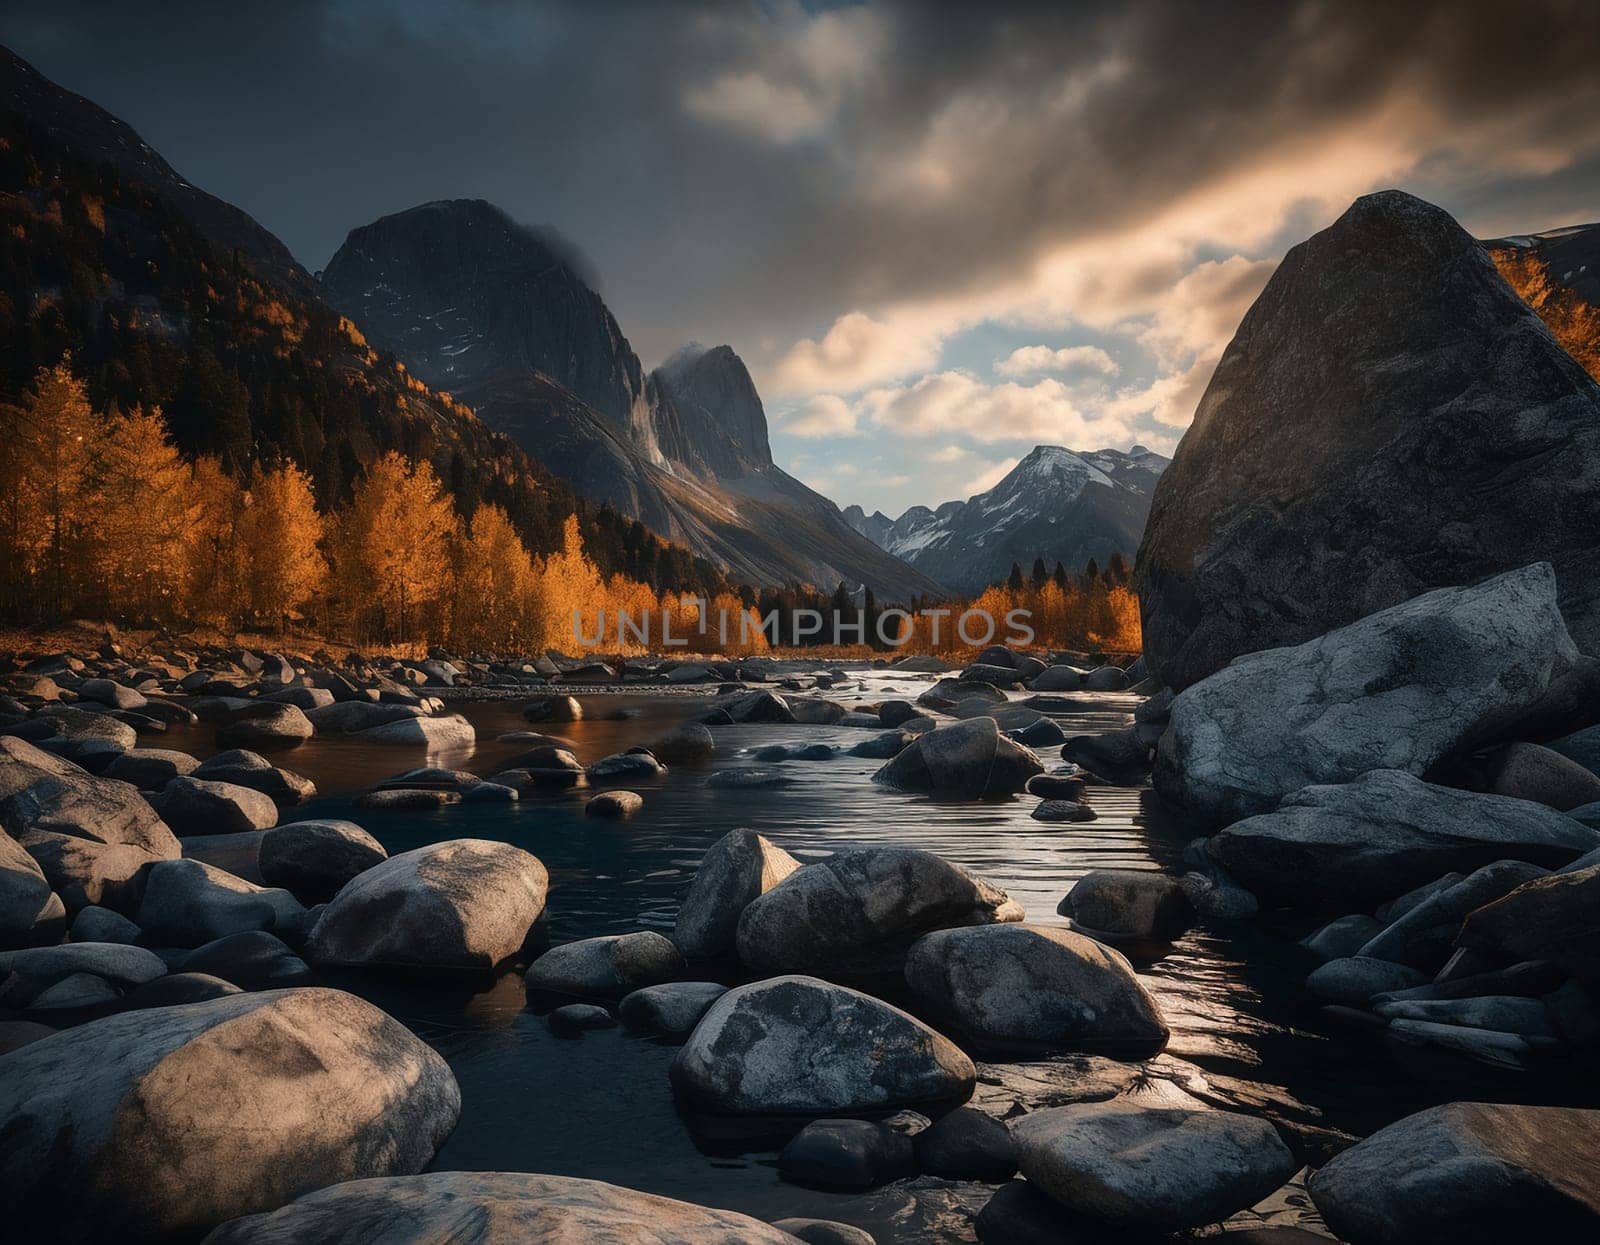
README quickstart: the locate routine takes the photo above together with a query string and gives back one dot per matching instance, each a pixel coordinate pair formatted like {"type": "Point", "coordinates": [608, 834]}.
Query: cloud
{"type": "Point", "coordinates": [960, 403]}
{"type": "Point", "coordinates": [856, 352]}
{"type": "Point", "coordinates": [776, 111]}
{"type": "Point", "coordinates": [1068, 361]}
{"type": "Point", "coordinates": [823, 416]}
{"type": "Point", "coordinates": [989, 477]}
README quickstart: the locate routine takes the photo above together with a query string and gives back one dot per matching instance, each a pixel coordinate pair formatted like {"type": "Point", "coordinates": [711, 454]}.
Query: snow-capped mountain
{"type": "Point", "coordinates": [1056, 504]}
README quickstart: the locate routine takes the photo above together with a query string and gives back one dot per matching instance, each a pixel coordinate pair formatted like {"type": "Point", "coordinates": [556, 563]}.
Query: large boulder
{"type": "Point", "coordinates": [1133, 905]}
{"type": "Point", "coordinates": [170, 1121]}
{"type": "Point", "coordinates": [799, 1047]}
{"type": "Point", "coordinates": [1149, 1168]}
{"type": "Point", "coordinates": [150, 769]}
{"type": "Point", "coordinates": [1554, 918]}
{"type": "Point", "coordinates": [267, 726]}
{"type": "Point", "coordinates": [971, 759]}
{"type": "Point", "coordinates": [91, 836]}
{"type": "Point", "coordinates": [494, 1208]}
{"type": "Point", "coordinates": [458, 904]}
{"type": "Point", "coordinates": [739, 867]}
{"type": "Point", "coordinates": [1473, 1173]}
{"type": "Point", "coordinates": [1351, 846]}
{"type": "Point", "coordinates": [861, 907]}
{"type": "Point", "coordinates": [605, 967]}
{"type": "Point", "coordinates": [443, 734]}
{"type": "Point", "coordinates": [187, 903]}
{"type": "Point", "coordinates": [1398, 690]}
{"type": "Point", "coordinates": [1389, 418]}
{"type": "Point", "coordinates": [351, 716]}
{"type": "Point", "coordinates": [202, 806]}
{"type": "Point", "coordinates": [30, 912]}
{"type": "Point", "coordinates": [243, 768]}
{"type": "Point", "coordinates": [314, 859]}
{"type": "Point", "coordinates": [1030, 987]}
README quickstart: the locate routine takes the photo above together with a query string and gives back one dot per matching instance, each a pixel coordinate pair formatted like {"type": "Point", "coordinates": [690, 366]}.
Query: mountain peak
{"type": "Point", "coordinates": [721, 423]}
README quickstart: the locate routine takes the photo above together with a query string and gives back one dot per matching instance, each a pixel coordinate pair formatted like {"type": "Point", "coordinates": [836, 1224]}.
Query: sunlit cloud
{"type": "Point", "coordinates": [1067, 362]}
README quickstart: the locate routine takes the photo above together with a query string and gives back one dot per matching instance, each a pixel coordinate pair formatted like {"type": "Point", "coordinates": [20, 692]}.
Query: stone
{"type": "Point", "coordinates": [967, 1144]}
{"type": "Point", "coordinates": [1554, 918]}
{"type": "Point", "coordinates": [251, 959]}
{"type": "Point", "coordinates": [15, 1034]}
{"type": "Point", "coordinates": [186, 903]}
{"type": "Point", "coordinates": [824, 1231]}
{"type": "Point", "coordinates": [970, 759]}
{"type": "Point", "coordinates": [120, 965]}
{"type": "Point", "coordinates": [201, 806]}
{"type": "Point", "coordinates": [1343, 936]}
{"type": "Point", "coordinates": [1469, 1172]}
{"type": "Point", "coordinates": [494, 1208]}
{"type": "Point", "coordinates": [1350, 846]}
{"type": "Point", "coordinates": [814, 711]}
{"type": "Point", "coordinates": [760, 706]}
{"type": "Point", "coordinates": [1106, 679]}
{"type": "Point", "coordinates": [684, 745]}
{"type": "Point", "coordinates": [882, 746]}
{"type": "Point", "coordinates": [1353, 980]}
{"type": "Point", "coordinates": [553, 709]}
{"type": "Point", "coordinates": [150, 769]}
{"type": "Point", "coordinates": [1131, 904]}
{"type": "Point", "coordinates": [109, 1123]}
{"type": "Point", "coordinates": [314, 859]}
{"type": "Point", "coordinates": [440, 734]}
{"type": "Point", "coordinates": [1019, 1214]}
{"type": "Point", "coordinates": [347, 717]}
{"type": "Point", "coordinates": [111, 694]}
{"type": "Point", "coordinates": [846, 1154]}
{"type": "Point", "coordinates": [235, 853]}
{"type": "Point", "coordinates": [1034, 988]}
{"type": "Point", "coordinates": [406, 800]}
{"type": "Point", "coordinates": [466, 904]}
{"type": "Point", "coordinates": [1063, 810]}
{"type": "Point", "coordinates": [1425, 936]}
{"type": "Point", "coordinates": [947, 693]}
{"type": "Point", "coordinates": [267, 727]}
{"type": "Point", "coordinates": [1398, 690]}
{"type": "Point", "coordinates": [1056, 787]}
{"type": "Point", "coordinates": [750, 777]}
{"type": "Point", "coordinates": [625, 767]}
{"type": "Point", "coordinates": [737, 869]}
{"type": "Point", "coordinates": [1329, 475]}
{"type": "Point", "coordinates": [575, 1018]}
{"type": "Point", "coordinates": [860, 907]}
{"type": "Point", "coordinates": [893, 713]}
{"type": "Point", "coordinates": [1151, 1168]}
{"type": "Point", "coordinates": [30, 912]}
{"type": "Point", "coordinates": [605, 967]}
{"type": "Point", "coordinates": [303, 698]}
{"type": "Point", "coordinates": [175, 989]}
{"type": "Point", "coordinates": [795, 1046]}
{"type": "Point", "coordinates": [88, 738]}
{"type": "Point", "coordinates": [74, 992]}
{"type": "Point", "coordinates": [250, 769]}
{"type": "Point", "coordinates": [614, 805]}
{"type": "Point", "coordinates": [491, 793]}
{"type": "Point", "coordinates": [95, 924]}
{"type": "Point", "coordinates": [1057, 679]}
{"type": "Point", "coordinates": [1501, 1013]}
{"type": "Point", "coordinates": [1530, 772]}
{"type": "Point", "coordinates": [994, 676]}
{"type": "Point", "coordinates": [1121, 758]}
{"type": "Point", "coordinates": [671, 1009]}
{"type": "Point", "coordinates": [1581, 746]}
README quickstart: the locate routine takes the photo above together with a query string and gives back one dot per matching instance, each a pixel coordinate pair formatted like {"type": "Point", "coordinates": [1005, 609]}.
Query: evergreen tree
{"type": "Point", "coordinates": [1014, 582]}
{"type": "Point", "coordinates": [1039, 573]}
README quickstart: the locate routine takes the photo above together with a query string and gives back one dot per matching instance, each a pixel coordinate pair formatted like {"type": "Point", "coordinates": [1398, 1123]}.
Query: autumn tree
{"type": "Point", "coordinates": [282, 532]}
{"type": "Point", "coordinates": [217, 569]}
{"type": "Point", "coordinates": [392, 546]}
{"type": "Point", "coordinates": [498, 603]}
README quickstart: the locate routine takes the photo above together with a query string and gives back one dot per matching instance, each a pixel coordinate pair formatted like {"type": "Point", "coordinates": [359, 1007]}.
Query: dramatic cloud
{"type": "Point", "coordinates": [823, 416]}
{"type": "Point", "coordinates": [959, 403]}
{"type": "Point", "coordinates": [1069, 361]}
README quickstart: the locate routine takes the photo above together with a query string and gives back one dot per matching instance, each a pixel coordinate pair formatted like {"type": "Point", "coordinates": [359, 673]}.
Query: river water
{"type": "Point", "coordinates": [600, 1106]}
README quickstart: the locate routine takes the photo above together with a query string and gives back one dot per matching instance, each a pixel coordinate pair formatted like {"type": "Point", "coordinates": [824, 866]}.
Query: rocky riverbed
{"type": "Point", "coordinates": [815, 971]}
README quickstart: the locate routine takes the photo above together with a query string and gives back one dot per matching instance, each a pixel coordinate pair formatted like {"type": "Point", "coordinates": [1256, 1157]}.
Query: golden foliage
{"type": "Point", "coordinates": [282, 538]}
{"type": "Point", "coordinates": [1571, 320]}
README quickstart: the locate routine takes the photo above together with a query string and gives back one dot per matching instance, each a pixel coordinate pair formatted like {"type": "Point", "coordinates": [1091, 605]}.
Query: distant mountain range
{"type": "Point", "coordinates": [500, 316]}
{"type": "Point", "coordinates": [1056, 504]}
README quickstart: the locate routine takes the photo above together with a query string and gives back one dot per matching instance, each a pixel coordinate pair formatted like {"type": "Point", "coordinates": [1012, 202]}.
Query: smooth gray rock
{"type": "Point", "coordinates": [439, 734]}
{"type": "Point", "coordinates": [187, 903]}
{"type": "Point", "coordinates": [860, 907]}
{"type": "Point", "coordinates": [797, 1046]}
{"type": "Point", "coordinates": [575, 1018]}
{"type": "Point", "coordinates": [1106, 679]}
{"type": "Point", "coordinates": [553, 709]}
{"type": "Point", "coordinates": [252, 960]}
{"type": "Point", "coordinates": [74, 991]}
{"type": "Point", "coordinates": [1343, 936]}
{"type": "Point", "coordinates": [238, 854]}
{"type": "Point", "coordinates": [823, 1231]}
{"type": "Point", "coordinates": [1350, 846]}
{"type": "Point", "coordinates": [605, 967]}
{"type": "Point", "coordinates": [967, 1144]}
{"type": "Point", "coordinates": [1397, 690]}
{"type": "Point", "coordinates": [150, 769]}
{"type": "Point", "coordinates": [1543, 775]}
{"type": "Point", "coordinates": [267, 726]}
{"type": "Point", "coordinates": [1333, 467]}
{"type": "Point", "coordinates": [1499, 1012]}
{"type": "Point", "coordinates": [738, 868]}
{"type": "Point", "coordinates": [1353, 980]}
{"type": "Point", "coordinates": [1425, 936]}
{"type": "Point", "coordinates": [202, 806]}
{"type": "Point", "coordinates": [457, 904]}
{"type": "Point", "coordinates": [750, 778]}
{"type": "Point", "coordinates": [1121, 758]}
{"type": "Point", "coordinates": [1554, 918]}
{"type": "Point", "coordinates": [406, 800]}
{"type": "Point", "coordinates": [1581, 746]}
{"type": "Point", "coordinates": [970, 759]}
{"type": "Point", "coordinates": [494, 1208]}
{"type": "Point", "coordinates": [122, 965]}
{"type": "Point", "coordinates": [1133, 904]}
{"type": "Point", "coordinates": [684, 745]}
{"type": "Point", "coordinates": [671, 1009]}
{"type": "Point", "coordinates": [1029, 987]}
{"type": "Point", "coordinates": [30, 912]}
{"type": "Point", "coordinates": [1057, 679]}
{"type": "Point", "coordinates": [614, 805]}
{"type": "Point", "coordinates": [1151, 1168]}
{"type": "Point", "coordinates": [109, 693]}
{"type": "Point", "coordinates": [1063, 811]}
{"type": "Point", "coordinates": [846, 1154]}
{"type": "Point", "coordinates": [250, 769]}
{"type": "Point", "coordinates": [351, 716]}
{"type": "Point", "coordinates": [625, 767]}
{"type": "Point", "coordinates": [93, 924]}
{"type": "Point", "coordinates": [314, 859]}
{"type": "Point", "coordinates": [109, 1123]}
{"type": "Point", "coordinates": [1470, 1172]}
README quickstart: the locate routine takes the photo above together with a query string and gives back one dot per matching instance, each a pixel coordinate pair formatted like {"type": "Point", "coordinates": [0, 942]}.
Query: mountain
{"type": "Point", "coordinates": [1390, 417]}
{"type": "Point", "coordinates": [1570, 255]}
{"type": "Point", "coordinates": [1056, 504]}
{"type": "Point", "coordinates": [504, 318]}
{"type": "Point", "coordinates": [166, 296]}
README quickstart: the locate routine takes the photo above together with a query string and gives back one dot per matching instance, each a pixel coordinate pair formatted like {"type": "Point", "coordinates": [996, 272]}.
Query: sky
{"type": "Point", "coordinates": [938, 234]}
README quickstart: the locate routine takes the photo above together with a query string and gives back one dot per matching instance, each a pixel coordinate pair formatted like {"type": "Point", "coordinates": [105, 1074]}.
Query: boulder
{"type": "Point", "coordinates": [759, 706]}
{"type": "Point", "coordinates": [1149, 1168]}
{"type": "Point", "coordinates": [267, 727]}
{"type": "Point", "coordinates": [749, 778]}
{"type": "Point", "coordinates": [1398, 690]}
{"type": "Point", "coordinates": [74, 992]}
{"type": "Point", "coordinates": [1063, 810]}
{"type": "Point", "coordinates": [1351, 846]}
{"type": "Point", "coordinates": [574, 1019]}
{"type": "Point", "coordinates": [95, 924]}
{"type": "Point", "coordinates": [1130, 904]}
{"type": "Point", "coordinates": [457, 904]}
{"type": "Point", "coordinates": [252, 959]}
{"type": "Point", "coordinates": [202, 806]}
{"type": "Point", "coordinates": [1425, 935]}
{"type": "Point", "coordinates": [1581, 746]}
{"type": "Point", "coordinates": [738, 868]}
{"type": "Point", "coordinates": [1554, 918]}
{"type": "Point", "coordinates": [1342, 937]}
{"type": "Point", "coordinates": [406, 800]}
{"type": "Point", "coordinates": [1353, 980]}
{"type": "Point", "coordinates": [684, 745]}
{"type": "Point", "coordinates": [88, 738]}
{"type": "Point", "coordinates": [967, 1144]}
{"type": "Point", "coordinates": [1056, 787]}
{"type": "Point", "coordinates": [1121, 758]}
{"type": "Point", "coordinates": [796, 1046]}
{"type": "Point", "coordinates": [625, 767]}
{"type": "Point", "coordinates": [314, 859]}
{"type": "Point", "coordinates": [30, 912]}
{"type": "Point", "coordinates": [823, 1231]}
{"type": "Point", "coordinates": [1501, 1013]}
{"type": "Point", "coordinates": [150, 769]}
{"type": "Point", "coordinates": [121, 966]}
{"type": "Point", "coordinates": [614, 805]}
{"type": "Point", "coordinates": [1543, 775]}
{"type": "Point", "coordinates": [1106, 679]}
{"type": "Point", "coordinates": [1390, 417]}
{"type": "Point", "coordinates": [1468, 1172]}
{"type": "Point", "coordinates": [814, 711]}
{"type": "Point", "coordinates": [553, 709]}
{"type": "Point", "coordinates": [1057, 679]}
{"type": "Point", "coordinates": [970, 759]}
{"type": "Point", "coordinates": [251, 769]}
{"type": "Point", "coordinates": [494, 1208]}
{"type": "Point", "coordinates": [1033, 988]}
{"type": "Point", "coordinates": [948, 693]}
{"type": "Point", "coordinates": [186, 903]}
{"type": "Point", "coordinates": [671, 1009]}
{"type": "Point", "coordinates": [441, 734]}
{"type": "Point", "coordinates": [113, 695]}
{"type": "Point", "coordinates": [861, 907]}
{"type": "Point", "coordinates": [118, 1121]}
{"type": "Point", "coordinates": [605, 967]}
{"type": "Point", "coordinates": [846, 1154]}
{"type": "Point", "coordinates": [238, 854]}
{"type": "Point", "coordinates": [347, 717]}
